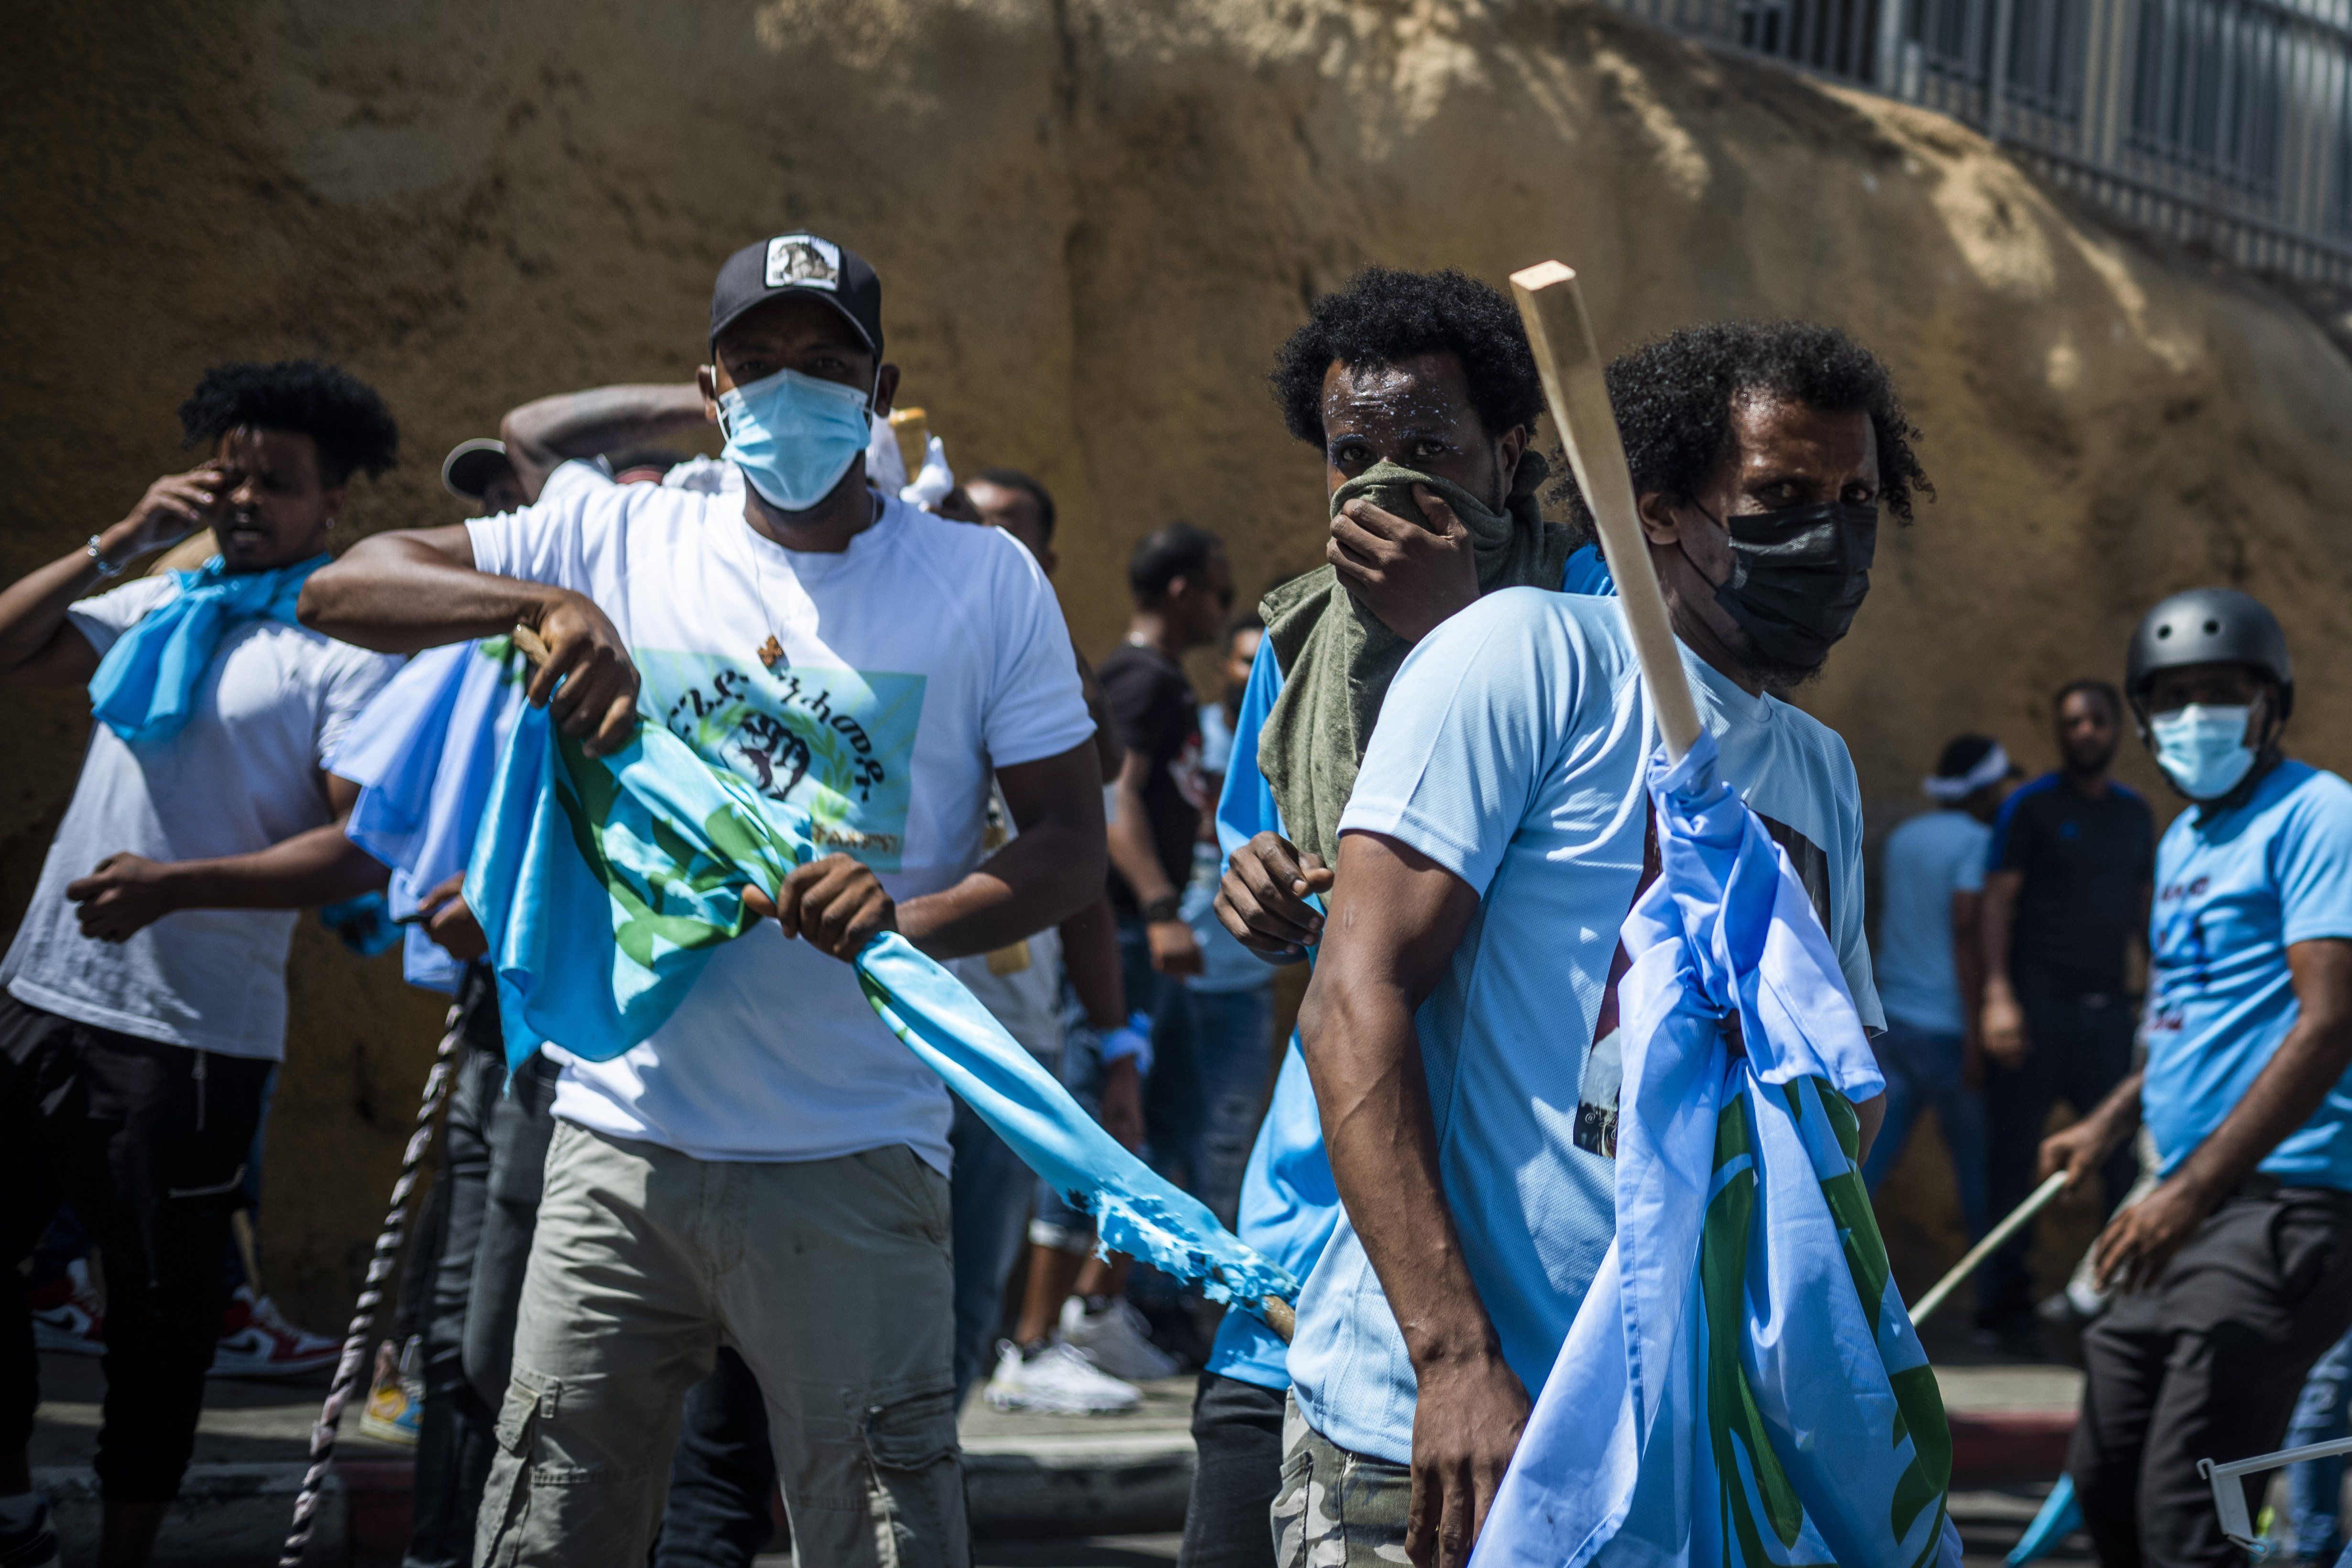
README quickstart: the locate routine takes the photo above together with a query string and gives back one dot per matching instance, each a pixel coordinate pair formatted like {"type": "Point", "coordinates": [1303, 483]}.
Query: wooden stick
{"type": "Point", "coordinates": [1984, 1249]}
{"type": "Point", "coordinates": [527, 642]}
{"type": "Point", "coordinates": [1552, 305]}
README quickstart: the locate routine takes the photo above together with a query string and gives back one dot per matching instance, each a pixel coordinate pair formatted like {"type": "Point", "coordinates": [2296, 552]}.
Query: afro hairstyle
{"type": "Point", "coordinates": [1674, 396]}
{"type": "Point", "coordinates": [1384, 315]}
{"type": "Point", "coordinates": [341, 415]}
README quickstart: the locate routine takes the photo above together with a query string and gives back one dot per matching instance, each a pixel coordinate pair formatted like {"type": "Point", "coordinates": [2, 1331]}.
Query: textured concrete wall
{"type": "Point", "coordinates": [1095, 221]}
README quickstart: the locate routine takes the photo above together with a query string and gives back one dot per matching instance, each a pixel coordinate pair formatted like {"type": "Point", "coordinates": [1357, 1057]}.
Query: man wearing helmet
{"type": "Point", "coordinates": [2236, 1270]}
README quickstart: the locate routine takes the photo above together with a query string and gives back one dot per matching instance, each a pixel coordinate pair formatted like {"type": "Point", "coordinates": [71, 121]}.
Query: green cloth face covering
{"type": "Point", "coordinates": [1337, 658]}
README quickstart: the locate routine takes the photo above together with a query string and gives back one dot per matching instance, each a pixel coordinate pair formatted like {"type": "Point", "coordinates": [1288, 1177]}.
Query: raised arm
{"type": "Point", "coordinates": [402, 592]}
{"type": "Point", "coordinates": [126, 892]}
{"type": "Point", "coordinates": [540, 436]}
{"type": "Point", "coordinates": [38, 646]}
{"type": "Point", "coordinates": [1396, 918]}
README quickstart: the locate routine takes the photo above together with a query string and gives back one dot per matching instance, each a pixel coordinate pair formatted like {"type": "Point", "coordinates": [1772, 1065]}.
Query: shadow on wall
{"type": "Point", "coordinates": [1096, 221]}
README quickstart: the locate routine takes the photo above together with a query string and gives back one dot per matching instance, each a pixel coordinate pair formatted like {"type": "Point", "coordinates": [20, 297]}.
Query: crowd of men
{"type": "Point", "coordinates": [766, 1253]}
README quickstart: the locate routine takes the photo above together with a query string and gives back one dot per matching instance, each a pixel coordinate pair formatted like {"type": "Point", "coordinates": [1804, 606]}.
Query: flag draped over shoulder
{"type": "Point", "coordinates": [146, 683]}
{"type": "Point", "coordinates": [1742, 1385]}
{"type": "Point", "coordinates": [604, 884]}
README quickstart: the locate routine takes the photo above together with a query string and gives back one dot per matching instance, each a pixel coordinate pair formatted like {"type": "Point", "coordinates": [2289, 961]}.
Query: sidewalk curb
{"type": "Point", "coordinates": [2006, 1447]}
{"type": "Point", "coordinates": [235, 1515]}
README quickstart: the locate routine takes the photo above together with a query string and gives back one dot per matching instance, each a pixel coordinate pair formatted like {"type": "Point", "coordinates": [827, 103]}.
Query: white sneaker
{"type": "Point", "coordinates": [1058, 1380]}
{"type": "Point", "coordinates": [257, 1342]}
{"type": "Point", "coordinates": [1116, 1340]}
{"type": "Point", "coordinates": [69, 1314]}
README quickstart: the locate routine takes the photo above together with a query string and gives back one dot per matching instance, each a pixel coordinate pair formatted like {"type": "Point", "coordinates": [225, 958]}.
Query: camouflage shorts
{"type": "Point", "coordinates": [1336, 1509]}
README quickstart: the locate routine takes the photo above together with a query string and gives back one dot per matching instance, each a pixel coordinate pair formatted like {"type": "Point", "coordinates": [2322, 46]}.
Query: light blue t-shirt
{"type": "Point", "coordinates": [1289, 1206]}
{"type": "Point", "coordinates": [1924, 862]}
{"type": "Point", "coordinates": [1511, 750]}
{"type": "Point", "coordinates": [2231, 895]}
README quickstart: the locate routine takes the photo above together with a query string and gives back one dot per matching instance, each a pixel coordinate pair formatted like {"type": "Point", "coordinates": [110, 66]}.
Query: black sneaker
{"type": "Point", "coordinates": [32, 1544]}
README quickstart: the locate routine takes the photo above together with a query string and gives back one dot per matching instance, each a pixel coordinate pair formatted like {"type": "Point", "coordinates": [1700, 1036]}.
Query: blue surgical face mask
{"type": "Point", "coordinates": [2203, 750]}
{"type": "Point", "coordinates": [793, 436]}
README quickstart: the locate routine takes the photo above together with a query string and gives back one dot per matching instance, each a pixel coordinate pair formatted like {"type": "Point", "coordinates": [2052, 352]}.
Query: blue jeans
{"type": "Point", "coordinates": [988, 1197]}
{"type": "Point", "coordinates": [1923, 1072]}
{"type": "Point", "coordinates": [1228, 1044]}
{"type": "Point", "coordinates": [1156, 995]}
{"type": "Point", "coordinates": [2315, 1488]}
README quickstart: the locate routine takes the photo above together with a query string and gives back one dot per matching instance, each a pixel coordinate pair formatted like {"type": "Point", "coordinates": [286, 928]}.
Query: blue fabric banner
{"type": "Point", "coordinates": [605, 883]}
{"type": "Point", "coordinates": [148, 679]}
{"type": "Point", "coordinates": [1742, 1385]}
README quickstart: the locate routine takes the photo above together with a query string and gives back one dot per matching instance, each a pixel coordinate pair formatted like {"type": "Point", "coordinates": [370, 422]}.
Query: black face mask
{"type": "Point", "coordinates": [1798, 575]}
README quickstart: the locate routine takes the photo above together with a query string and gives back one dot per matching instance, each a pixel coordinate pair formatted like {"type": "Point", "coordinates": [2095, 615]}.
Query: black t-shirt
{"type": "Point", "coordinates": [1153, 710]}
{"type": "Point", "coordinates": [2084, 862]}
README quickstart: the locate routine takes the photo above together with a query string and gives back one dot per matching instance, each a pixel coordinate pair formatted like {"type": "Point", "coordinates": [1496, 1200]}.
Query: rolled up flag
{"type": "Point", "coordinates": [147, 681]}
{"type": "Point", "coordinates": [603, 885]}
{"type": "Point", "coordinates": [1741, 1384]}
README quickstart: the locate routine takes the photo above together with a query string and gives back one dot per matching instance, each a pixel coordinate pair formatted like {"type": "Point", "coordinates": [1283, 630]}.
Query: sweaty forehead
{"type": "Point", "coordinates": [1771, 431]}
{"type": "Point", "coordinates": [1423, 390]}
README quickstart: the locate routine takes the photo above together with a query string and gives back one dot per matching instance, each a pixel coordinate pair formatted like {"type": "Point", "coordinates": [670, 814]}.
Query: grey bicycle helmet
{"type": "Point", "coordinates": [2208, 625]}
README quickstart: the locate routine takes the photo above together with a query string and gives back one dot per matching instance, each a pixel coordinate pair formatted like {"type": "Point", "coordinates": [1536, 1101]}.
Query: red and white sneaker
{"type": "Point", "coordinates": [257, 1342]}
{"type": "Point", "coordinates": [69, 1314]}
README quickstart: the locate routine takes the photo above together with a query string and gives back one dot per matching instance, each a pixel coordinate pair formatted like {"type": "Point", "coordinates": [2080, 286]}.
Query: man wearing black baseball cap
{"type": "Point", "coordinates": [770, 1167]}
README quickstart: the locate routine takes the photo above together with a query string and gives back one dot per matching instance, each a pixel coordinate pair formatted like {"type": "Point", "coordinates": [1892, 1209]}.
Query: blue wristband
{"type": "Point", "coordinates": [1129, 1040]}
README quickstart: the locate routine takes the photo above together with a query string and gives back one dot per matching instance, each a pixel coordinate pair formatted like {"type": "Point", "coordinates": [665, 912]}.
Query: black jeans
{"type": "Point", "coordinates": [2080, 1048]}
{"type": "Point", "coordinates": [454, 1433]}
{"type": "Point", "coordinates": [521, 1126]}
{"type": "Point", "coordinates": [148, 1141]}
{"type": "Point", "coordinates": [2206, 1364]}
{"type": "Point", "coordinates": [722, 1474]}
{"type": "Point", "coordinates": [1237, 1437]}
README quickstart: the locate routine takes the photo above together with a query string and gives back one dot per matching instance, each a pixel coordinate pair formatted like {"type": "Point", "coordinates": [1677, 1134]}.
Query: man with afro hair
{"type": "Point", "coordinates": [1459, 1030]}
{"type": "Point", "coordinates": [1420, 393]}
{"type": "Point", "coordinates": [145, 997]}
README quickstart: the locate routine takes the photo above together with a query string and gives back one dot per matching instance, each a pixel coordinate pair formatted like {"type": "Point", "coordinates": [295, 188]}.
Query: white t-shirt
{"type": "Point", "coordinates": [241, 775]}
{"type": "Point", "coordinates": [1511, 750]}
{"type": "Point", "coordinates": [914, 662]}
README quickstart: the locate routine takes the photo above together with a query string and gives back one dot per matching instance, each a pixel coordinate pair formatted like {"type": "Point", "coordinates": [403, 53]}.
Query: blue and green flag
{"type": "Point", "coordinates": [606, 883]}
{"type": "Point", "coordinates": [1741, 1386]}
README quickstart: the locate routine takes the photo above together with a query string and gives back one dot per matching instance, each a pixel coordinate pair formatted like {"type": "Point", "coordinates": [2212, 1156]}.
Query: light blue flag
{"type": "Point", "coordinates": [424, 752]}
{"type": "Point", "coordinates": [1742, 1385]}
{"type": "Point", "coordinates": [147, 681]}
{"type": "Point", "coordinates": [605, 883]}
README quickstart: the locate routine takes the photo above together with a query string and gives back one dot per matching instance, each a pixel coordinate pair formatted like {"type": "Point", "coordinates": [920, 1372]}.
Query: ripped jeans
{"type": "Point", "coordinates": [831, 1280]}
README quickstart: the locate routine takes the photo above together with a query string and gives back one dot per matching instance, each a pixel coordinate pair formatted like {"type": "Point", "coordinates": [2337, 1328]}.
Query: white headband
{"type": "Point", "coordinates": [1992, 766]}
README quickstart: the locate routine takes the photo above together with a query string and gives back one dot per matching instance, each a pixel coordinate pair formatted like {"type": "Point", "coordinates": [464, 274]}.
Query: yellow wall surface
{"type": "Point", "coordinates": [1095, 219]}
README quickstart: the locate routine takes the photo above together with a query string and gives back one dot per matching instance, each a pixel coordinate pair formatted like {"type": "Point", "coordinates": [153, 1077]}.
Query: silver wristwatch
{"type": "Point", "coordinates": [97, 558]}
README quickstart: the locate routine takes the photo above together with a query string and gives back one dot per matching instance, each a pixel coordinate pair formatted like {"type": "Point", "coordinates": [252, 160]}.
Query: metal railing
{"type": "Point", "coordinates": [2222, 122]}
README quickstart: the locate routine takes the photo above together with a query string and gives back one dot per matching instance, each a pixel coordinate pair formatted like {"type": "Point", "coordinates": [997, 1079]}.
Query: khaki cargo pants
{"type": "Point", "coordinates": [831, 1278]}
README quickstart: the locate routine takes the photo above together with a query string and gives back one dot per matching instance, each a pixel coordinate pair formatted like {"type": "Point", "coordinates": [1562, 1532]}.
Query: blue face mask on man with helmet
{"type": "Point", "coordinates": [793, 436]}
{"type": "Point", "coordinates": [2202, 748]}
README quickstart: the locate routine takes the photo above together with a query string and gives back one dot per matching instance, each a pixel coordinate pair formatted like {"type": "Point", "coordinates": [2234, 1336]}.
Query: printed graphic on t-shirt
{"type": "Point", "coordinates": [2177, 962]}
{"type": "Point", "coordinates": [836, 743]}
{"type": "Point", "coordinates": [1598, 1089]}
